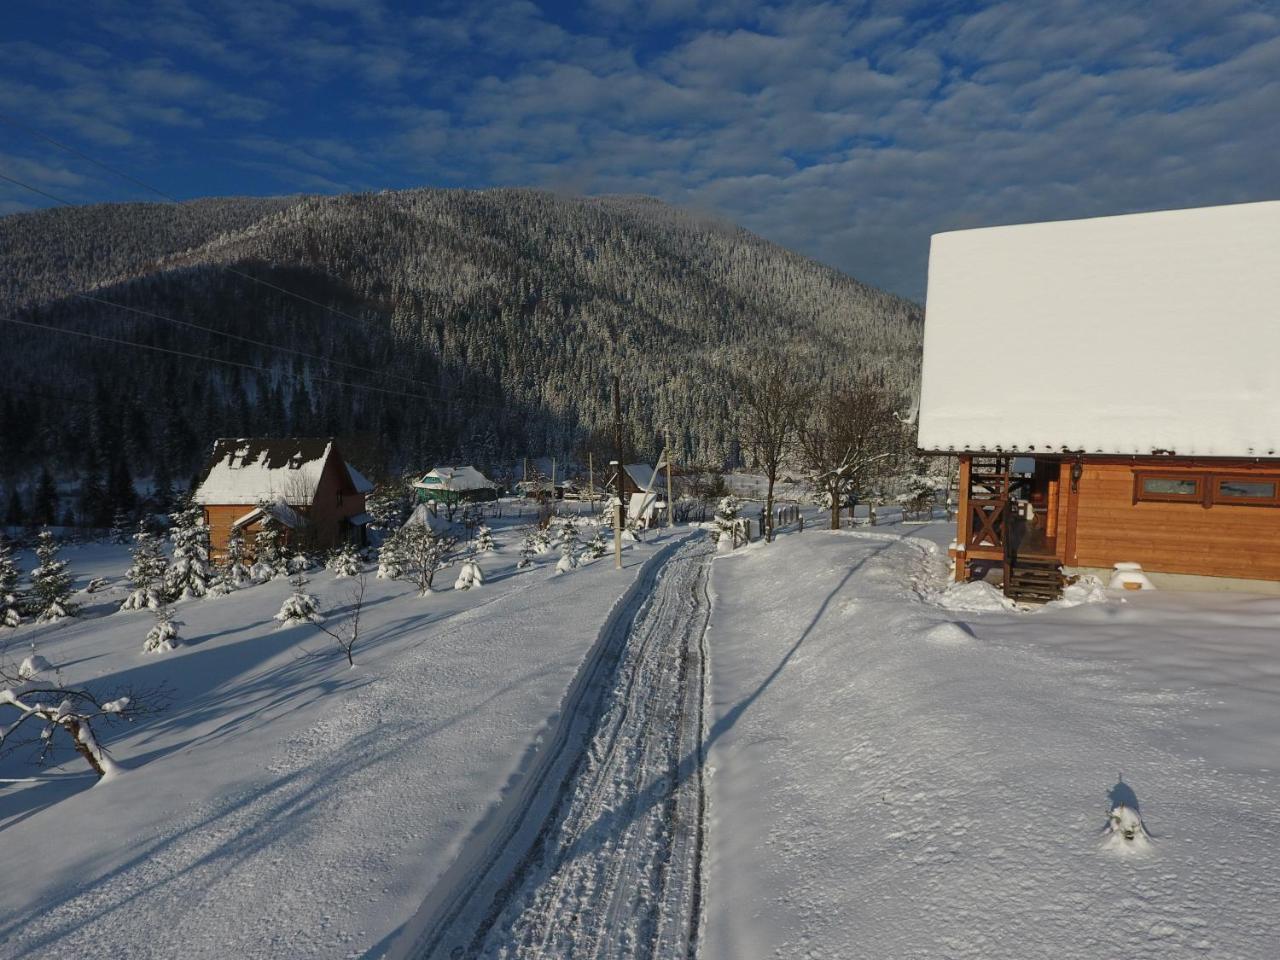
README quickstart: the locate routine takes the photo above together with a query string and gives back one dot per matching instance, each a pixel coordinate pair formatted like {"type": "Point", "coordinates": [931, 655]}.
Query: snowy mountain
{"type": "Point", "coordinates": [487, 323]}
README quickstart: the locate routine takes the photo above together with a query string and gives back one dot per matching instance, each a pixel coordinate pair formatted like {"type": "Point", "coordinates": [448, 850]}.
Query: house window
{"type": "Point", "coordinates": [1169, 487]}
{"type": "Point", "coordinates": [1249, 491]}
{"type": "Point", "coordinates": [1206, 489]}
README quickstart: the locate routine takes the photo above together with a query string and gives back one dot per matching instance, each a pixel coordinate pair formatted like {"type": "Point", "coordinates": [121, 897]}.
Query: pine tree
{"type": "Point", "coordinates": [568, 546]}
{"type": "Point", "coordinates": [189, 572]}
{"type": "Point", "coordinates": [120, 526]}
{"type": "Point", "coordinates": [391, 557]}
{"type": "Point", "coordinates": [235, 570]}
{"type": "Point", "coordinates": [163, 635]}
{"type": "Point", "coordinates": [726, 520]}
{"type": "Point", "coordinates": [146, 575]}
{"type": "Point", "coordinates": [299, 606]}
{"type": "Point", "coordinates": [10, 607]}
{"type": "Point", "coordinates": [343, 561]}
{"type": "Point", "coordinates": [597, 546]}
{"type": "Point", "coordinates": [50, 582]}
{"type": "Point", "coordinates": [45, 508]}
{"type": "Point", "coordinates": [484, 539]}
{"type": "Point", "coordinates": [528, 548]}
{"type": "Point", "coordinates": [268, 552]}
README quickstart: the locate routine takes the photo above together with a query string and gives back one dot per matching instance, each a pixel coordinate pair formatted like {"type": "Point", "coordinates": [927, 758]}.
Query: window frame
{"type": "Point", "coordinates": [1229, 501]}
{"type": "Point", "coordinates": [1140, 494]}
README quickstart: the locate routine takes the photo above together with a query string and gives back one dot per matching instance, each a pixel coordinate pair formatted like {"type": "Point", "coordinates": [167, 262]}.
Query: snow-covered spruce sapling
{"type": "Point", "coordinates": [43, 703]}
{"type": "Point", "coordinates": [347, 633]}
{"type": "Point", "coordinates": [299, 562]}
{"type": "Point", "coordinates": [10, 604]}
{"type": "Point", "coordinates": [726, 520]}
{"type": "Point", "coordinates": [484, 539]}
{"type": "Point", "coordinates": [568, 546]}
{"type": "Point", "coordinates": [269, 559]}
{"type": "Point", "coordinates": [596, 547]}
{"type": "Point", "coordinates": [469, 576]}
{"type": "Point", "coordinates": [189, 571]}
{"type": "Point", "coordinates": [146, 573]}
{"type": "Point", "coordinates": [391, 557]}
{"type": "Point", "coordinates": [528, 548]}
{"type": "Point", "coordinates": [234, 569]}
{"type": "Point", "coordinates": [541, 540]}
{"type": "Point", "coordinates": [120, 527]}
{"type": "Point", "coordinates": [343, 561]}
{"type": "Point", "coordinates": [163, 635]}
{"type": "Point", "coordinates": [50, 597]}
{"type": "Point", "coordinates": [299, 606]}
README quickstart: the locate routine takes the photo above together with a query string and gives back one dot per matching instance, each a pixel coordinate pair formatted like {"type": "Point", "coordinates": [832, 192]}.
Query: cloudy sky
{"type": "Point", "coordinates": [849, 132]}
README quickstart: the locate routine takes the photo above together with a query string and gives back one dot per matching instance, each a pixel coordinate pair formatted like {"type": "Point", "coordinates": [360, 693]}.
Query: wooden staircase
{"type": "Point", "coordinates": [1033, 579]}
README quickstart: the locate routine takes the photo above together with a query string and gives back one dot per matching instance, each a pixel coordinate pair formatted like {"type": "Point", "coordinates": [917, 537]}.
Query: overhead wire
{"type": "Point", "coordinates": [476, 399]}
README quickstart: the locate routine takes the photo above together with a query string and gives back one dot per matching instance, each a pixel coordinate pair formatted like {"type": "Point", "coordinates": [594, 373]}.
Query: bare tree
{"type": "Point", "coordinates": [347, 633]}
{"type": "Point", "coordinates": [772, 398]}
{"type": "Point", "coordinates": [424, 552]}
{"type": "Point", "coordinates": [851, 439]}
{"type": "Point", "coordinates": [46, 706]}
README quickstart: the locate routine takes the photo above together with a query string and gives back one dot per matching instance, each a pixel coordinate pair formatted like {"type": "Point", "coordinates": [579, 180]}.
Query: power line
{"type": "Point", "coordinates": [199, 356]}
{"type": "Point", "coordinates": [160, 193]}
{"type": "Point", "coordinates": [476, 398]}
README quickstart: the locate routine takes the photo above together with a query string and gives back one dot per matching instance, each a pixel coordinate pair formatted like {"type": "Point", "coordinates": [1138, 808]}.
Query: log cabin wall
{"type": "Point", "coordinates": [1220, 540]}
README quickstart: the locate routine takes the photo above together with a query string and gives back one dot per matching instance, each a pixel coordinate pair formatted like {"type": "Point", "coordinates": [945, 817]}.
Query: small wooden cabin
{"type": "Point", "coordinates": [303, 485]}
{"type": "Point", "coordinates": [449, 485]}
{"type": "Point", "coordinates": [1112, 390]}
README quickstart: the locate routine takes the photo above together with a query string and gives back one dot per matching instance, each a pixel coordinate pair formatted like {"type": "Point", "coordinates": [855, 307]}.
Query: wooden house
{"type": "Point", "coordinates": [1112, 390]}
{"type": "Point", "coordinates": [303, 485]}
{"type": "Point", "coordinates": [450, 485]}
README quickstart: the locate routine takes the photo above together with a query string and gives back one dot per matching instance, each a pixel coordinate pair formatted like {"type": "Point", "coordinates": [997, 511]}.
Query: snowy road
{"type": "Point", "coordinates": [605, 859]}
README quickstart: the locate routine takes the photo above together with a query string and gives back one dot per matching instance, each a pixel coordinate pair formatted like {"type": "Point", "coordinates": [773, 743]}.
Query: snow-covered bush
{"type": "Point", "coordinates": [343, 561]}
{"type": "Point", "coordinates": [469, 576]}
{"type": "Point", "coordinates": [541, 540]}
{"type": "Point", "coordinates": [163, 635]}
{"type": "Point", "coordinates": [147, 573]}
{"type": "Point", "coordinates": [189, 572]}
{"type": "Point", "coordinates": [484, 539]}
{"type": "Point", "coordinates": [50, 597]}
{"type": "Point", "coordinates": [566, 563]}
{"type": "Point", "coordinates": [1125, 832]}
{"type": "Point", "coordinates": [299, 606]}
{"type": "Point", "coordinates": [10, 607]}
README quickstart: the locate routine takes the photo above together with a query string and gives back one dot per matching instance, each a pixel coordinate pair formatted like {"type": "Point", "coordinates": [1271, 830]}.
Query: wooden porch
{"type": "Point", "coordinates": [1009, 520]}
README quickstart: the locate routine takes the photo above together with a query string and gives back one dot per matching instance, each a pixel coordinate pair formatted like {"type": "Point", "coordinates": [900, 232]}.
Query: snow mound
{"type": "Point", "coordinates": [1086, 589]}
{"type": "Point", "coordinates": [976, 596]}
{"type": "Point", "coordinates": [1125, 832]}
{"type": "Point", "coordinates": [948, 632]}
{"type": "Point", "coordinates": [33, 666]}
{"type": "Point", "coordinates": [1129, 576]}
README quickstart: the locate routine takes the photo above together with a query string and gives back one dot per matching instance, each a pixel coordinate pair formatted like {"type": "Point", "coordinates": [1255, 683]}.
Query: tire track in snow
{"type": "Point", "coordinates": [613, 867]}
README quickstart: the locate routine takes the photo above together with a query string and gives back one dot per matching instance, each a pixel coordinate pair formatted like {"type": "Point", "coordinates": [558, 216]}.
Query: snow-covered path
{"type": "Point", "coordinates": [891, 779]}
{"type": "Point", "coordinates": [605, 862]}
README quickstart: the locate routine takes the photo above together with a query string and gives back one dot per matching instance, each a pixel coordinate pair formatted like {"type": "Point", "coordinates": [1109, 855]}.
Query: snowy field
{"type": "Point", "coordinates": [286, 805]}
{"type": "Point", "coordinates": [896, 778]}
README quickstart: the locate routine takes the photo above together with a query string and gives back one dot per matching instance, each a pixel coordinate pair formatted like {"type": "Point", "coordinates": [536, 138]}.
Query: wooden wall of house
{"type": "Point", "coordinates": [1223, 540]}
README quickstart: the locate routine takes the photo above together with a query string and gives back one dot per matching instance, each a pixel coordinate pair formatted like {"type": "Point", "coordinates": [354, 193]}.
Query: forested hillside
{"type": "Point", "coordinates": [472, 325]}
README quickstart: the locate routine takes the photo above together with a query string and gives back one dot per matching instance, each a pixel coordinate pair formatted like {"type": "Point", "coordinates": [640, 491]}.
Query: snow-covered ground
{"type": "Point", "coordinates": [286, 805]}
{"type": "Point", "coordinates": [895, 778]}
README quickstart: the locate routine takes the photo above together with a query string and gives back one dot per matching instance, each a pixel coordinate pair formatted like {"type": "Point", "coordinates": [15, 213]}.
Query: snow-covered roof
{"type": "Point", "coordinates": [1153, 332]}
{"type": "Point", "coordinates": [641, 474]}
{"type": "Point", "coordinates": [455, 478]}
{"type": "Point", "coordinates": [359, 480]}
{"type": "Point", "coordinates": [278, 511]}
{"type": "Point", "coordinates": [249, 470]}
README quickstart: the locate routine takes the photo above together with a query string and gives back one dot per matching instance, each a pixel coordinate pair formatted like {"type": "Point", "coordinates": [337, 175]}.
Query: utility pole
{"type": "Point", "coordinates": [666, 456]}
{"type": "Point", "coordinates": [617, 472]}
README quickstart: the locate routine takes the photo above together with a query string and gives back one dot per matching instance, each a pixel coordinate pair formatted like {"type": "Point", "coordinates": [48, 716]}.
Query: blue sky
{"type": "Point", "coordinates": [848, 132]}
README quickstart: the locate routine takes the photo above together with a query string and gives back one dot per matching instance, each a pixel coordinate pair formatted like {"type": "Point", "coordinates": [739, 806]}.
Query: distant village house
{"type": "Point", "coordinates": [303, 485]}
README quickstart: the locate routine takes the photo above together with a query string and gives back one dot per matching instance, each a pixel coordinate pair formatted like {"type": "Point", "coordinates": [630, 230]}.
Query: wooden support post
{"type": "Point", "coordinates": [963, 517]}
